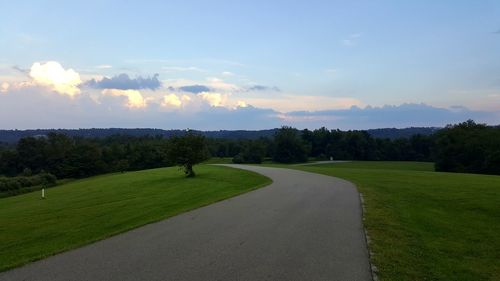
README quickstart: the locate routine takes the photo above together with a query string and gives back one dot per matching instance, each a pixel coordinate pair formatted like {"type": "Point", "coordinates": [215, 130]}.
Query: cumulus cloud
{"type": "Point", "coordinates": [241, 104]}
{"type": "Point", "coordinates": [84, 112]}
{"type": "Point", "coordinates": [185, 98]}
{"type": "Point", "coordinates": [135, 100]}
{"type": "Point", "coordinates": [201, 111]}
{"type": "Point", "coordinates": [214, 99]}
{"type": "Point", "coordinates": [171, 100]}
{"type": "Point", "coordinates": [124, 82]}
{"type": "Point", "coordinates": [4, 87]}
{"type": "Point", "coordinates": [209, 104]}
{"type": "Point", "coordinates": [175, 101]}
{"type": "Point", "coordinates": [51, 74]}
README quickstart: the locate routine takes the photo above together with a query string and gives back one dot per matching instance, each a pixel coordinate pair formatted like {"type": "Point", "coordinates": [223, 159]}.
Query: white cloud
{"type": "Point", "coordinates": [241, 103]}
{"type": "Point", "coordinates": [104, 66]}
{"type": "Point", "coordinates": [171, 100]}
{"type": "Point", "coordinates": [214, 99]}
{"type": "Point", "coordinates": [20, 108]}
{"type": "Point", "coordinates": [219, 84]}
{"type": "Point", "coordinates": [51, 74]}
{"type": "Point", "coordinates": [135, 100]}
{"type": "Point", "coordinates": [182, 69]}
{"type": "Point", "coordinates": [4, 87]}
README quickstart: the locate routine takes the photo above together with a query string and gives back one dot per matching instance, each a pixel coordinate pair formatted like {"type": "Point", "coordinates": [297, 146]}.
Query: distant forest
{"type": "Point", "coordinates": [13, 136]}
{"type": "Point", "coordinates": [40, 157]}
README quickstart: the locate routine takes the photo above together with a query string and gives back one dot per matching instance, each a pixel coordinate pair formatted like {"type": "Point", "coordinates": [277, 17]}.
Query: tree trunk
{"type": "Point", "coordinates": [188, 170]}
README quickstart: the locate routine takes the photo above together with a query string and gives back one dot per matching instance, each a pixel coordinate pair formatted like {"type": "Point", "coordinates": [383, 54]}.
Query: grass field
{"type": "Point", "coordinates": [426, 225]}
{"type": "Point", "coordinates": [83, 211]}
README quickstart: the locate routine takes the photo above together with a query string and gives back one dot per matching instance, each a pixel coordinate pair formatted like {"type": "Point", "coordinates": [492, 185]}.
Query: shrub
{"type": "Point", "coordinates": [21, 184]}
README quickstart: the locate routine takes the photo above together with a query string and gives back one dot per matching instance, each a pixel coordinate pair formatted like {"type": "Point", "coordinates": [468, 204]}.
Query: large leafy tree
{"type": "Point", "coordinates": [187, 151]}
{"type": "Point", "coordinates": [468, 147]}
{"type": "Point", "coordinates": [289, 146]}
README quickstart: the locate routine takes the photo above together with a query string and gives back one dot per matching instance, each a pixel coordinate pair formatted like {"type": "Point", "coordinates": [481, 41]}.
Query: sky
{"type": "Point", "coordinates": [212, 65]}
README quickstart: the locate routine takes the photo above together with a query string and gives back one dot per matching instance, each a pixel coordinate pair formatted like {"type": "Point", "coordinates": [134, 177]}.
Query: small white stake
{"type": "Point", "coordinates": [43, 193]}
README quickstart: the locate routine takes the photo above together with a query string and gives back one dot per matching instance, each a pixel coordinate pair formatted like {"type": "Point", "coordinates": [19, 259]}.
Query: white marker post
{"type": "Point", "coordinates": [43, 193]}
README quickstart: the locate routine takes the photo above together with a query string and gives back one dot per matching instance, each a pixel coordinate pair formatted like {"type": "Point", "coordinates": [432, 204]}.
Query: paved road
{"type": "Point", "coordinates": [304, 226]}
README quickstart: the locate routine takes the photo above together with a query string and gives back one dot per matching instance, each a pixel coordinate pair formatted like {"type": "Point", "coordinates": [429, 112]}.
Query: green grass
{"type": "Point", "coordinates": [84, 211]}
{"type": "Point", "coordinates": [426, 225]}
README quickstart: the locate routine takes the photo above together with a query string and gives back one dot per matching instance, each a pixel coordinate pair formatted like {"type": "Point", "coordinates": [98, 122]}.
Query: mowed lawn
{"type": "Point", "coordinates": [87, 210]}
{"type": "Point", "coordinates": [426, 225]}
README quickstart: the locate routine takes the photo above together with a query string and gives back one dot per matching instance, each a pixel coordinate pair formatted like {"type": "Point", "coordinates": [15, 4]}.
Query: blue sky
{"type": "Point", "coordinates": [259, 64]}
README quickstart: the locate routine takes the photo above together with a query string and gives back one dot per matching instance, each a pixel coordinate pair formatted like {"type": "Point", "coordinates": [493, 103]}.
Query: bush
{"type": "Point", "coordinates": [48, 179]}
{"type": "Point", "coordinates": [21, 184]}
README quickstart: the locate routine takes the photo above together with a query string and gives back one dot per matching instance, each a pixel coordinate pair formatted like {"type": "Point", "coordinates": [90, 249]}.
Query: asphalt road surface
{"type": "Point", "coordinates": [303, 226]}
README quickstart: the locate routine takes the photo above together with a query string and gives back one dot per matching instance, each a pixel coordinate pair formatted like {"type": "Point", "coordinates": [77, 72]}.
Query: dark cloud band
{"type": "Point", "coordinates": [195, 89]}
{"type": "Point", "coordinates": [124, 82]}
{"type": "Point", "coordinates": [256, 88]}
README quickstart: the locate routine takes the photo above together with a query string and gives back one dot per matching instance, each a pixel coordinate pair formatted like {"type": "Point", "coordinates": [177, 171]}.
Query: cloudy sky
{"type": "Point", "coordinates": [248, 64]}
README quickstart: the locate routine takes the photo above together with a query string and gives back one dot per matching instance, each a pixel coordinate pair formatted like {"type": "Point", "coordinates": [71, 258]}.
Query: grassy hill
{"type": "Point", "coordinates": [84, 211]}
{"type": "Point", "coordinates": [426, 225]}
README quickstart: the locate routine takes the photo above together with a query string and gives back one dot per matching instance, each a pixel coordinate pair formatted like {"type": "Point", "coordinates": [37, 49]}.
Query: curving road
{"type": "Point", "coordinates": [303, 226]}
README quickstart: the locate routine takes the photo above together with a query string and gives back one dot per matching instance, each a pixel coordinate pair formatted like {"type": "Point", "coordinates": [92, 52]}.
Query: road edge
{"type": "Point", "coordinates": [373, 268]}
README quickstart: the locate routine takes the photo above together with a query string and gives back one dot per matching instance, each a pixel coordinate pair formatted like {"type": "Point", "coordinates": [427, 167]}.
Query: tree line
{"type": "Point", "coordinates": [13, 136]}
{"type": "Point", "coordinates": [290, 145]}
{"type": "Point", "coordinates": [78, 157]}
{"type": "Point", "coordinates": [465, 147]}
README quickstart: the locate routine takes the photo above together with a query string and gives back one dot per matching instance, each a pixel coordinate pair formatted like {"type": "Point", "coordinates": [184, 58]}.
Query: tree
{"type": "Point", "coordinates": [468, 147]}
{"type": "Point", "coordinates": [58, 148]}
{"type": "Point", "coordinates": [84, 160]}
{"type": "Point", "coordinates": [289, 146]}
{"type": "Point", "coordinates": [30, 151]}
{"type": "Point", "coordinates": [253, 152]}
{"type": "Point", "coordinates": [187, 151]}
